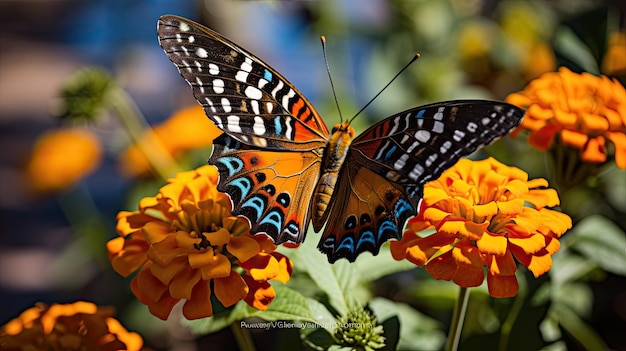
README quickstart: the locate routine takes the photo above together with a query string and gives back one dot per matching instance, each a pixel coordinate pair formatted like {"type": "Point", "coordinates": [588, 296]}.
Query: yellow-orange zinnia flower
{"type": "Point", "coordinates": [187, 245]}
{"type": "Point", "coordinates": [61, 157]}
{"type": "Point", "coordinates": [582, 109]}
{"type": "Point", "coordinates": [76, 326]}
{"type": "Point", "coordinates": [485, 214]}
{"type": "Point", "coordinates": [185, 130]}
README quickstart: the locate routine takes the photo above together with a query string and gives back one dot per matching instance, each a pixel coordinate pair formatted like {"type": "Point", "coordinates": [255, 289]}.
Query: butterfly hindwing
{"type": "Point", "coordinates": [368, 211]}
{"type": "Point", "coordinates": [271, 189]}
{"type": "Point", "coordinates": [240, 93]}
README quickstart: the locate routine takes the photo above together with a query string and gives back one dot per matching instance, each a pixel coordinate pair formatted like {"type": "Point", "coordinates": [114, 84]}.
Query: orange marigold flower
{"type": "Point", "coordinates": [61, 157]}
{"type": "Point", "coordinates": [584, 110]}
{"type": "Point", "coordinates": [185, 130]}
{"type": "Point", "coordinates": [186, 245]}
{"type": "Point", "coordinates": [485, 214]}
{"type": "Point", "coordinates": [76, 326]}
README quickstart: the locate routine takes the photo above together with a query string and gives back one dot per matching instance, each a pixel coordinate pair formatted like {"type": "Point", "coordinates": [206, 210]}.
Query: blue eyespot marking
{"type": "Point", "coordinates": [243, 184]}
{"type": "Point", "coordinates": [420, 114]}
{"type": "Point", "coordinates": [233, 164]}
{"type": "Point", "coordinates": [386, 225]}
{"type": "Point", "coordinates": [367, 236]}
{"type": "Point", "coordinates": [273, 218]}
{"type": "Point", "coordinates": [267, 75]}
{"type": "Point", "coordinates": [255, 203]}
{"type": "Point", "coordinates": [346, 243]}
{"type": "Point", "coordinates": [401, 206]}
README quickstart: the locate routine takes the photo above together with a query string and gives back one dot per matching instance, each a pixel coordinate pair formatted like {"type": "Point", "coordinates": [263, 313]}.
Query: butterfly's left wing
{"type": "Point", "coordinates": [387, 165]}
{"type": "Point", "coordinates": [241, 94]}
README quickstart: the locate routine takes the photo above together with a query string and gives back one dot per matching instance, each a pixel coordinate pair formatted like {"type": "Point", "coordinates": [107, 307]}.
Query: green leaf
{"type": "Point", "coordinates": [322, 315]}
{"type": "Point", "coordinates": [330, 279]}
{"type": "Point", "coordinates": [577, 328]}
{"type": "Point", "coordinates": [288, 305]}
{"type": "Point", "coordinates": [567, 43]}
{"type": "Point", "coordinates": [602, 242]}
{"type": "Point", "coordinates": [417, 331]}
{"type": "Point", "coordinates": [369, 268]}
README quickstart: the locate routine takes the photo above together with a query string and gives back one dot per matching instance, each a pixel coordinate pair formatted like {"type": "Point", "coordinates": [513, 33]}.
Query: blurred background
{"type": "Point", "coordinates": [52, 242]}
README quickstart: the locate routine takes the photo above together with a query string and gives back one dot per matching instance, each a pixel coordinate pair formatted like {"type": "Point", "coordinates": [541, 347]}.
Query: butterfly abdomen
{"type": "Point", "coordinates": [334, 157]}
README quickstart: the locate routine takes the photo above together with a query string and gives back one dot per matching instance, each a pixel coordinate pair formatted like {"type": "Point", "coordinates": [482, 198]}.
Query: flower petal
{"type": "Point", "coordinates": [231, 289]}
{"type": "Point", "coordinates": [199, 305]}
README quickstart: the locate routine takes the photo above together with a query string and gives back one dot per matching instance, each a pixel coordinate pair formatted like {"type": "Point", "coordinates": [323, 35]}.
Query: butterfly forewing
{"type": "Point", "coordinates": [241, 94]}
{"type": "Point", "coordinates": [417, 145]}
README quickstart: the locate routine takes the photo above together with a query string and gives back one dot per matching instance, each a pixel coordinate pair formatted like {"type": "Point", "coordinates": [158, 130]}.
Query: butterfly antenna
{"type": "Point", "coordinates": [417, 55]}
{"type": "Point", "coordinates": [330, 78]}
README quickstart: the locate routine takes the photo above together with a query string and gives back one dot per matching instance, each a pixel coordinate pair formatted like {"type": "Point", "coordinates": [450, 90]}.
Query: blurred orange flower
{"type": "Point", "coordinates": [583, 110]}
{"type": "Point", "coordinates": [61, 157]}
{"type": "Point", "coordinates": [485, 214]}
{"type": "Point", "coordinates": [185, 130]}
{"type": "Point", "coordinates": [187, 245]}
{"type": "Point", "coordinates": [76, 326]}
{"type": "Point", "coordinates": [614, 62]}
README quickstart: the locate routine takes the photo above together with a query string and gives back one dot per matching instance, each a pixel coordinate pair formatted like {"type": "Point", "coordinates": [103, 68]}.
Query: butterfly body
{"type": "Point", "coordinates": [283, 169]}
{"type": "Point", "coordinates": [334, 157]}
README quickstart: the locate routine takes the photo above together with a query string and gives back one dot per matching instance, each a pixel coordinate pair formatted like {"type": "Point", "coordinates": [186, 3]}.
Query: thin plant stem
{"type": "Point", "coordinates": [135, 125]}
{"type": "Point", "coordinates": [457, 320]}
{"type": "Point", "coordinates": [242, 337]}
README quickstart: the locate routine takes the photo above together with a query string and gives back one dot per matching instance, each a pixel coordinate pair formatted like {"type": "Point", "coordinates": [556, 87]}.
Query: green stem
{"type": "Point", "coordinates": [457, 321]}
{"type": "Point", "coordinates": [242, 337]}
{"type": "Point", "coordinates": [135, 125]}
{"type": "Point", "coordinates": [507, 326]}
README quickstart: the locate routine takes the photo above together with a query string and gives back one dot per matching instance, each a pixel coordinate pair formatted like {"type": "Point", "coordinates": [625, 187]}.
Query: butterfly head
{"type": "Point", "coordinates": [344, 128]}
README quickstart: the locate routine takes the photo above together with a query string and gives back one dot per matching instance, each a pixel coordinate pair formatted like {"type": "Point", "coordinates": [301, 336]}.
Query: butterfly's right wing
{"type": "Point", "coordinates": [241, 94]}
{"type": "Point", "coordinates": [381, 183]}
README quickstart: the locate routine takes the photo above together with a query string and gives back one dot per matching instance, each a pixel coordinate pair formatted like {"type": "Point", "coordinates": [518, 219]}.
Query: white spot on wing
{"type": "Point", "coordinates": [213, 69]}
{"type": "Point", "coordinates": [255, 107]}
{"type": "Point", "coordinates": [439, 114]}
{"type": "Point", "coordinates": [201, 52]}
{"type": "Point", "coordinates": [458, 135]}
{"type": "Point", "coordinates": [286, 98]}
{"type": "Point", "coordinates": [218, 121]}
{"type": "Point", "coordinates": [210, 103]}
{"type": "Point", "coordinates": [218, 86]}
{"type": "Point", "coordinates": [416, 172]}
{"type": "Point", "coordinates": [253, 93]}
{"type": "Point", "coordinates": [184, 27]}
{"type": "Point", "coordinates": [400, 162]}
{"type": "Point", "coordinates": [259, 126]}
{"type": "Point", "coordinates": [200, 84]}
{"type": "Point", "coordinates": [422, 136]}
{"type": "Point", "coordinates": [438, 127]}
{"type": "Point", "coordinates": [242, 76]}
{"type": "Point", "coordinates": [226, 105]}
{"type": "Point", "coordinates": [233, 124]}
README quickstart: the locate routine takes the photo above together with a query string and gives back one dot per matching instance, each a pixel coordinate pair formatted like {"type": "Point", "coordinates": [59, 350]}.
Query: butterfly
{"type": "Point", "coordinates": [283, 169]}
